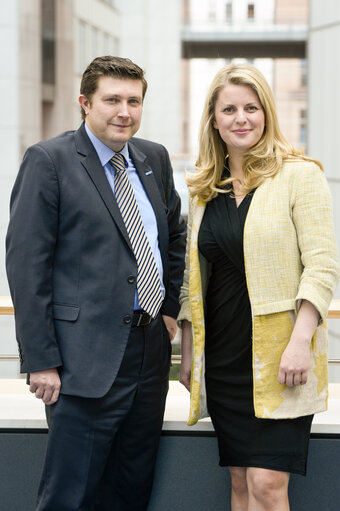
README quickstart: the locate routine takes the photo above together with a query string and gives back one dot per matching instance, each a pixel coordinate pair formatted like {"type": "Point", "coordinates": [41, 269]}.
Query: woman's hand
{"type": "Point", "coordinates": [185, 372]}
{"type": "Point", "coordinates": [295, 363]}
{"type": "Point", "coordinates": [295, 359]}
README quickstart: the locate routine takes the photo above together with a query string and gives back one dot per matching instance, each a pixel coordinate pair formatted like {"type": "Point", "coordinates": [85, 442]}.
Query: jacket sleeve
{"type": "Point", "coordinates": [313, 220]}
{"type": "Point", "coordinates": [184, 294]}
{"type": "Point", "coordinates": [176, 251]}
{"type": "Point", "coordinates": [30, 244]}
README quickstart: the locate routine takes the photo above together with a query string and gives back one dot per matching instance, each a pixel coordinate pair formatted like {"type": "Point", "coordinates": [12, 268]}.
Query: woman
{"type": "Point", "coordinates": [261, 269]}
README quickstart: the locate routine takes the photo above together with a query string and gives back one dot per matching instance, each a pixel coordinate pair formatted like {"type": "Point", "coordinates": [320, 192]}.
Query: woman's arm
{"type": "Point", "coordinates": [312, 215]}
{"type": "Point", "coordinates": [313, 219]}
{"type": "Point", "coordinates": [185, 373]}
{"type": "Point", "coordinates": [295, 359]}
{"type": "Point", "coordinates": [184, 317]}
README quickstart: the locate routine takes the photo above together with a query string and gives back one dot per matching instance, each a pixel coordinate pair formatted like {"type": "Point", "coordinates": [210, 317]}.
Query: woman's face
{"type": "Point", "coordinates": [239, 118]}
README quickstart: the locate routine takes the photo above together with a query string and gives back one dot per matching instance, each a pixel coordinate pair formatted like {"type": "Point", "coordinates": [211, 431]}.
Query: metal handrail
{"type": "Point", "coordinates": [334, 361]}
{"type": "Point", "coordinates": [9, 358]}
{"type": "Point", "coordinates": [6, 309]}
{"type": "Point", "coordinates": [175, 359]}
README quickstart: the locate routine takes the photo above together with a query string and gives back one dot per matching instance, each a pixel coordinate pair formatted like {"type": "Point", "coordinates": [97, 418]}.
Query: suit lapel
{"type": "Point", "coordinates": [91, 163]}
{"type": "Point", "coordinates": [146, 175]}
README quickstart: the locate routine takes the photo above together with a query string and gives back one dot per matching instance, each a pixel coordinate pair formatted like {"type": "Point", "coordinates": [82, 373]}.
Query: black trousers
{"type": "Point", "coordinates": [101, 453]}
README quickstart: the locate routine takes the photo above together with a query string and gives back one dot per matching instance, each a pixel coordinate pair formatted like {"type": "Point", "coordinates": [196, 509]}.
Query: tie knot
{"type": "Point", "coordinates": [118, 162]}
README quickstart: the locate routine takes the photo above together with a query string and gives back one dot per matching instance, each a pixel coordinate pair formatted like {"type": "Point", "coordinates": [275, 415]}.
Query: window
{"type": "Point", "coordinates": [94, 42]}
{"type": "Point", "coordinates": [212, 10]}
{"type": "Point", "coordinates": [114, 46]}
{"type": "Point", "coordinates": [303, 127]}
{"type": "Point", "coordinates": [83, 55]}
{"type": "Point", "coordinates": [106, 44]}
{"type": "Point", "coordinates": [229, 11]}
{"type": "Point", "coordinates": [304, 73]}
{"type": "Point", "coordinates": [48, 41]}
{"type": "Point", "coordinates": [251, 12]}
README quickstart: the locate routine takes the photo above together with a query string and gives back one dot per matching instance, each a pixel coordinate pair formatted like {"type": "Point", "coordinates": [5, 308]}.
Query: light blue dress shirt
{"type": "Point", "coordinates": [144, 205]}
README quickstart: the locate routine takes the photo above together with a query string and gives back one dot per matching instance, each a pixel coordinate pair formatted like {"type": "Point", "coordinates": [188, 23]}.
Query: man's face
{"type": "Point", "coordinates": [115, 110]}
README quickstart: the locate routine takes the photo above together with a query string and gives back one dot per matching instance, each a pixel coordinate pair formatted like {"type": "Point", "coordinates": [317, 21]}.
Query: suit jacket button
{"type": "Point", "coordinates": [127, 319]}
{"type": "Point", "coordinates": [131, 279]}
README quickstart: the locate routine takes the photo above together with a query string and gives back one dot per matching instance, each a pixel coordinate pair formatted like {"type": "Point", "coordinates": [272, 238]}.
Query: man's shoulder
{"type": "Point", "coordinates": [146, 145]}
{"type": "Point", "coordinates": [56, 142]}
{"type": "Point", "coordinates": [60, 146]}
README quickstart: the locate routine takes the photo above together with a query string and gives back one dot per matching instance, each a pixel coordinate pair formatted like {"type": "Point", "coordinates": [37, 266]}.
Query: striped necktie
{"type": "Point", "coordinates": [148, 281]}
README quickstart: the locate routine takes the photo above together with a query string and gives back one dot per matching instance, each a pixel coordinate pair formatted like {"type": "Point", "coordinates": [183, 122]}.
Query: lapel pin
{"type": "Point", "coordinates": [148, 173]}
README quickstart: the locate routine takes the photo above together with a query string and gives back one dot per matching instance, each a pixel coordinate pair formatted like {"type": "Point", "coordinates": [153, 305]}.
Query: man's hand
{"type": "Point", "coordinates": [46, 385]}
{"type": "Point", "coordinates": [171, 326]}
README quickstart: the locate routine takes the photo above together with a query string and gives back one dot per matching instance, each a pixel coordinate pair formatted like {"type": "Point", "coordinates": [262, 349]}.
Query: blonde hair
{"type": "Point", "coordinates": [262, 160]}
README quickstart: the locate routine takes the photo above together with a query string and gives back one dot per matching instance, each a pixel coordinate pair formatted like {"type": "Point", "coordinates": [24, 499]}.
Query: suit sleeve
{"type": "Point", "coordinates": [30, 245]}
{"type": "Point", "coordinates": [177, 235]}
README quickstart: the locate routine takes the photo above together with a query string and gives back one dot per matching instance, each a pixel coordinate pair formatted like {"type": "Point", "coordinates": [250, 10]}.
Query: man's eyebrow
{"type": "Point", "coordinates": [119, 96]}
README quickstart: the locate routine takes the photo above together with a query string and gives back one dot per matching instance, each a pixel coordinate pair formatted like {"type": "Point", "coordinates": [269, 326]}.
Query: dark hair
{"type": "Point", "coordinates": [116, 67]}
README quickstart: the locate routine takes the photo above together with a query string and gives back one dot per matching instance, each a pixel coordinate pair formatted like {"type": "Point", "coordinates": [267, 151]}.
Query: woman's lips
{"type": "Point", "coordinates": [241, 132]}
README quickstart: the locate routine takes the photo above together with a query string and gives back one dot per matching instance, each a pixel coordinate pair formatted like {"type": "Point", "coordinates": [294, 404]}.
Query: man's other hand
{"type": "Point", "coordinates": [46, 385]}
{"type": "Point", "coordinates": [171, 326]}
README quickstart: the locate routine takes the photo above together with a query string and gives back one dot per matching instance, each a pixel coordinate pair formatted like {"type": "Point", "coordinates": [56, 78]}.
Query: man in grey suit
{"type": "Point", "coordinates": [95, 258]}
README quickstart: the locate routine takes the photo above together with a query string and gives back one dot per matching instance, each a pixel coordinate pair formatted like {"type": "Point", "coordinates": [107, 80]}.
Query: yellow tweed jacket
{"type": "Point", "coordinates": [290, 254]}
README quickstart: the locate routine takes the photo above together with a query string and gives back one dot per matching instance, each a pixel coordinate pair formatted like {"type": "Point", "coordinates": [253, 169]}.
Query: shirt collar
{"type": "Point", "coordinates": [104, 152]}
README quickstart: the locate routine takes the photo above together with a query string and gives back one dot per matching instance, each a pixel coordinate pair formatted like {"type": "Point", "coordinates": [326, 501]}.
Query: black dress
{"type": "Point", "coordinates": [243, 439]}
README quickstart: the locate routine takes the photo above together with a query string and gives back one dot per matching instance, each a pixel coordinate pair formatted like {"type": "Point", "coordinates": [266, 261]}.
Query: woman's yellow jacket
{"type": "Point", "coordinates": [290, 254]}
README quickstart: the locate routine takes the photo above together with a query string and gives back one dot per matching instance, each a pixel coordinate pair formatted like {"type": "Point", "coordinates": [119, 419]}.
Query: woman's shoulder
{"type": "Point", "coordinates": [195, 201]}
{"type": "Point", "coordinates": [296, 165]}
{"type": "Point", "coordinates": [196, 208]}
{"type": "Point", "coordinates": [297, 174]}
{"type": "Point", "coordinates": [297, 169]}
{"type": "Point", "coordinates": [302, 178]}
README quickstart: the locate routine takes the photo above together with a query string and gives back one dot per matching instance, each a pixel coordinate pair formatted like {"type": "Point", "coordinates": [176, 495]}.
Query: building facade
{"type": "Point", "coordinates": [270, 34]}
{"type": "Point", "coordinates": [39, 87]}
{"type": "Point", "coordinates": [46, 45]}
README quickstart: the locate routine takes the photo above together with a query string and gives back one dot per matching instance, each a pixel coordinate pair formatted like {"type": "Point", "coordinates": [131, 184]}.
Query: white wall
{"type": "Point", "coordinates": [9, 149]}
{"type": "Point", "coordinates": [324, 115]}
{"type": "Point", "coordinates": [323, 95]}
{"type": "Point", "coordinates": [324, 80]}
{"type": "Point", "coordinates": [96, 32]}
{"type": "Point", "coordinates": [150, 36]}
{"type": "Point", "coordinates": [9, 119]}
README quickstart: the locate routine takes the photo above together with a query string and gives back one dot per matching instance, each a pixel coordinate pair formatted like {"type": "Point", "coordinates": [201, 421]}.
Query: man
{"type": "Point", "coordinates": [95, 256]}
